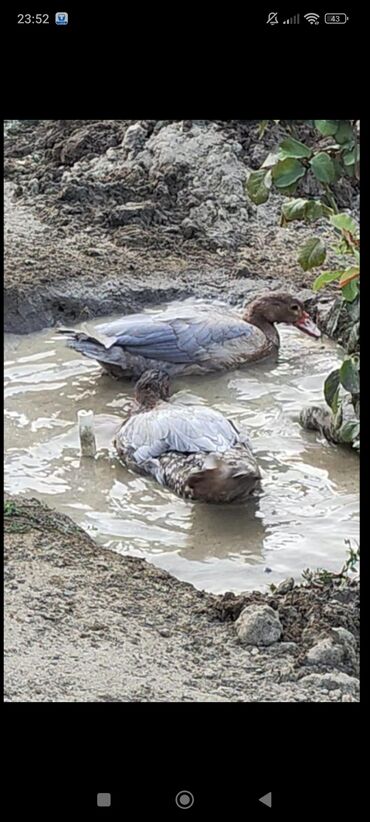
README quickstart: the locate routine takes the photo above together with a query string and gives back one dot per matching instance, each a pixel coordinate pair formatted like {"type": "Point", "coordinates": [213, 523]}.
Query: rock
{"type": "Point", "coordinates": [134, 139]}
{"type": "Point", "coordinates": [258, 625]}
{"type": "Point", "coordinates": [285, 586]}
{"type": "Point", "coordinates": [346, 684]}
{"type": "Point", "coordinates": [189, 229]}
{"type": "Point", "coordinates": [334, 651]}
{"type": "Point", "coordinates": [34, 186]}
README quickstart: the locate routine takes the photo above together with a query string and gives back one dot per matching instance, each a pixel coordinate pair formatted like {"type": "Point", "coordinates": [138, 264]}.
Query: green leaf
{"type": "Point", "coordinates": [353, 271]}
{"type": "Point", "coordinates": [271, 159]}
{"type": "Point", "coordinates": [350, 291]}
{"type": "Point", "coordinates": [294, 210]}
{"type": "Point", "coordinates": [344, 132]}
{"type": "Point", "coordinates": [323, 167]}
{"type": "Point", "coordinates": [302, 209]}
{"type": "Point", "coordinates": [314, 210]}
{"type": "Point", "coordinates": [312, 254]}
{"type": "Point", "coordinates": [326, 210]}
{"type": "Point", "coordinates": [289, 190]}
{"type": "Point", "coordinates": [331, 388]}
{"type": "Point", "coordinates": [349, 375]}
{"type": "Point", "coordinates": [349, 158]}
{"type": "Point", "coordinates": [327, 127]}
{"type": "Point", "coordinates": [326, 277]}
{"type": "Point", "coordinates": [257, 188]}
{"type": "Point", "coordinates": [286, 172]}
{"type": "Point", "coordinates": [345, 223]}
{"type": "Point", "coordinates": [349, 432]}
{"type": "Point", "coordinates": [338, 168]}
{"type": "Point", "coordinates": [294, 148]}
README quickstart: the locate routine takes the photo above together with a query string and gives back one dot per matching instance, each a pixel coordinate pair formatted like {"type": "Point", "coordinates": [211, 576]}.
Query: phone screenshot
{"type": "Point", "coordinates": [181, 413]}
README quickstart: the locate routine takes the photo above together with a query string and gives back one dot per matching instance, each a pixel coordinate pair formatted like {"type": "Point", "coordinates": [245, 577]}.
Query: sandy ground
{"type": "Point", "coordinates": [83, 624]}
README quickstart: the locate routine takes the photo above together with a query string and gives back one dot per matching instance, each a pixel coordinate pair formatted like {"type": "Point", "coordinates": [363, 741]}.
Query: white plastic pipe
{"type": "Point", "coordinates": [86, 433]}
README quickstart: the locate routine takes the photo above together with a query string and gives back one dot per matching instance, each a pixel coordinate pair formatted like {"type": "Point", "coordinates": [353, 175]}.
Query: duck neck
{"type": "Point", "coordinates": [148, 402]}
{"type": "Point", "coordinates": [253, 316]}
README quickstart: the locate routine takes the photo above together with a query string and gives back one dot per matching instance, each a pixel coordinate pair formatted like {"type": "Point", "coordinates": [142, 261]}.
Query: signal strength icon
{"type": "Point", "coordinates": [312, 18]}
{"type": "Point", "coordinates": [291, 20]}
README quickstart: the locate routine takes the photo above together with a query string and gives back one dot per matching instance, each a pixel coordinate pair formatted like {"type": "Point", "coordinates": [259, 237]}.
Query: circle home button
{"type": "Point", "coordinates": [184, 800]}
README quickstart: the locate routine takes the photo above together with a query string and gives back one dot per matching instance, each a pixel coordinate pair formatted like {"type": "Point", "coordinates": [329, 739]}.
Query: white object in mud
{"type": "Point", "coordinates": [86, 433]}
{"type": "Point", "coordinates": [258, 625]}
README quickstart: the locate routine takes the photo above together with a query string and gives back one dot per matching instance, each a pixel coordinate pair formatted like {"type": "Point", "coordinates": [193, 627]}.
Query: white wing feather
{"type": "Point", "coordinates": [170, 428]}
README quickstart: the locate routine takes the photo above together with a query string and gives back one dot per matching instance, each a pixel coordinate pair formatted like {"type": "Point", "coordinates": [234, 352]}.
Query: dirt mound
{"type": "Point", "coordinates": [306, 613]}
{"type": "Point", "coordinates": [105, 216]}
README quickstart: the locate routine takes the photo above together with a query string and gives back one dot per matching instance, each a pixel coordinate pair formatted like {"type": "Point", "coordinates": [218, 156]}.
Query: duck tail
{"type": "Point", "coordinates": [89, 346]}
{"type": "Point", "coordinates": [224, 478]}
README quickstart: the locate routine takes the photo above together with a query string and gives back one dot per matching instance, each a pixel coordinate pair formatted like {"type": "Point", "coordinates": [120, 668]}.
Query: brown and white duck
{"type": "Point", "coordinates": [193, 450]}
{"type": "Point", "coordinates": [192, 339]}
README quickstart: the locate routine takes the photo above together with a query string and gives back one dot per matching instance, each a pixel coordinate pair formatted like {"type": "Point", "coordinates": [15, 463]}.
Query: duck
{"type": "Point", "coordinates": [194, 450]}
{"type": "Point", "coordinates": [195, 339]}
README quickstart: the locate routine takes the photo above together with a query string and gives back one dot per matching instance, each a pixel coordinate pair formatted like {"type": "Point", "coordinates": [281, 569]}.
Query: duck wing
{"type": "Point", "coordinates": [169, 428]}
{"type": "Point", "coordinates": [178, 339]}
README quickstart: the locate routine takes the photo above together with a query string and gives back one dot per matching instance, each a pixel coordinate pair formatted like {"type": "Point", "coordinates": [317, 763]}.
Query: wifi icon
{"type": "Point", "coordinates": [312, 18]}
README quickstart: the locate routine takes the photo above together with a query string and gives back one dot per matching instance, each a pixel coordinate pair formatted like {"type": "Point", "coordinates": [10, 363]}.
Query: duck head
{"type": "Point", "coordinates": [152, 387]}
{"type": "Point", "coordinates": [281, 307]}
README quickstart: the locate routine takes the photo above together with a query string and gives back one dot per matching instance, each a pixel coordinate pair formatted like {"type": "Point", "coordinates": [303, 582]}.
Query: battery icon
{"type": "Point", "coordinates": [336, 18]}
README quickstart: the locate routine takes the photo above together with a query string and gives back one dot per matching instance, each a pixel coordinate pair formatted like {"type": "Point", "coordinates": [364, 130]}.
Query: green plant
{"type": "Point", "coordinates": [326, 159]}
{"type": "Point", "coordinates": [10, 508]}
{"type": "Point", "coordinates": [321, 576]}
{"type": "Point", "coordinates": [347, 379]}
{"type": "Point", "coordinates": [327, 162]}
{"type": "Point", "coordinates": [349, 245]}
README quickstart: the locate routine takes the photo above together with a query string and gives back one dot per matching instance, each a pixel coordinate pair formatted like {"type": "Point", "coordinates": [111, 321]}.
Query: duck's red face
{"type": "Point", "coordinates": [307, 325]}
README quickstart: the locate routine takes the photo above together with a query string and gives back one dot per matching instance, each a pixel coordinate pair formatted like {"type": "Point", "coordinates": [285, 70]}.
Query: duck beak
{"type": "Point", "coordinates": [308, 326]}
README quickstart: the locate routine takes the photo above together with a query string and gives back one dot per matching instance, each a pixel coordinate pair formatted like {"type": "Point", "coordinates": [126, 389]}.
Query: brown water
{"type": "Point", "coordinates": [308, 506]}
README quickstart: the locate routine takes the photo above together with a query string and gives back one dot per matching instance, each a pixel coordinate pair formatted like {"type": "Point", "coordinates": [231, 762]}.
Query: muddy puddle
{"type": "Point", "coordinates": [308, 506]}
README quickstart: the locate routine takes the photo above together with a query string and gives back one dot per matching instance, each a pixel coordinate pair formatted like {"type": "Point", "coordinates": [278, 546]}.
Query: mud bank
{"type": "Point", "coordinates": [85, 624]}
{"type": "Point", "coordinates": [106, 216]}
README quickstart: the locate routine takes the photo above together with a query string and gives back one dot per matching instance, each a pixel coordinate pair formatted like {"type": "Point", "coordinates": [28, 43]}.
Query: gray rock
{"type": "Point", "coordinates": [285, 586]}
{"type": "Point", "coordinates": [134, 140]}
{"type": "Point", "coordinates": [258, 625]}
{"type": "Point", "coordinates": [346, 684]}
{"type": "Point", "coordinates": [334, 651]}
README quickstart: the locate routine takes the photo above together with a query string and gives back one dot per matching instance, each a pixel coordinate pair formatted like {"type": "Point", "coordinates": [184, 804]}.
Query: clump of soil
{"type": "Point", "coordinates": [112, 215]}
{"type": "Point", "coordinates": [306, 612]}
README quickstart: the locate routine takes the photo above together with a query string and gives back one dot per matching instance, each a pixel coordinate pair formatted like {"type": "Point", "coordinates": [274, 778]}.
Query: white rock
{"type": "Point", "coordinates": [258, 625]}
